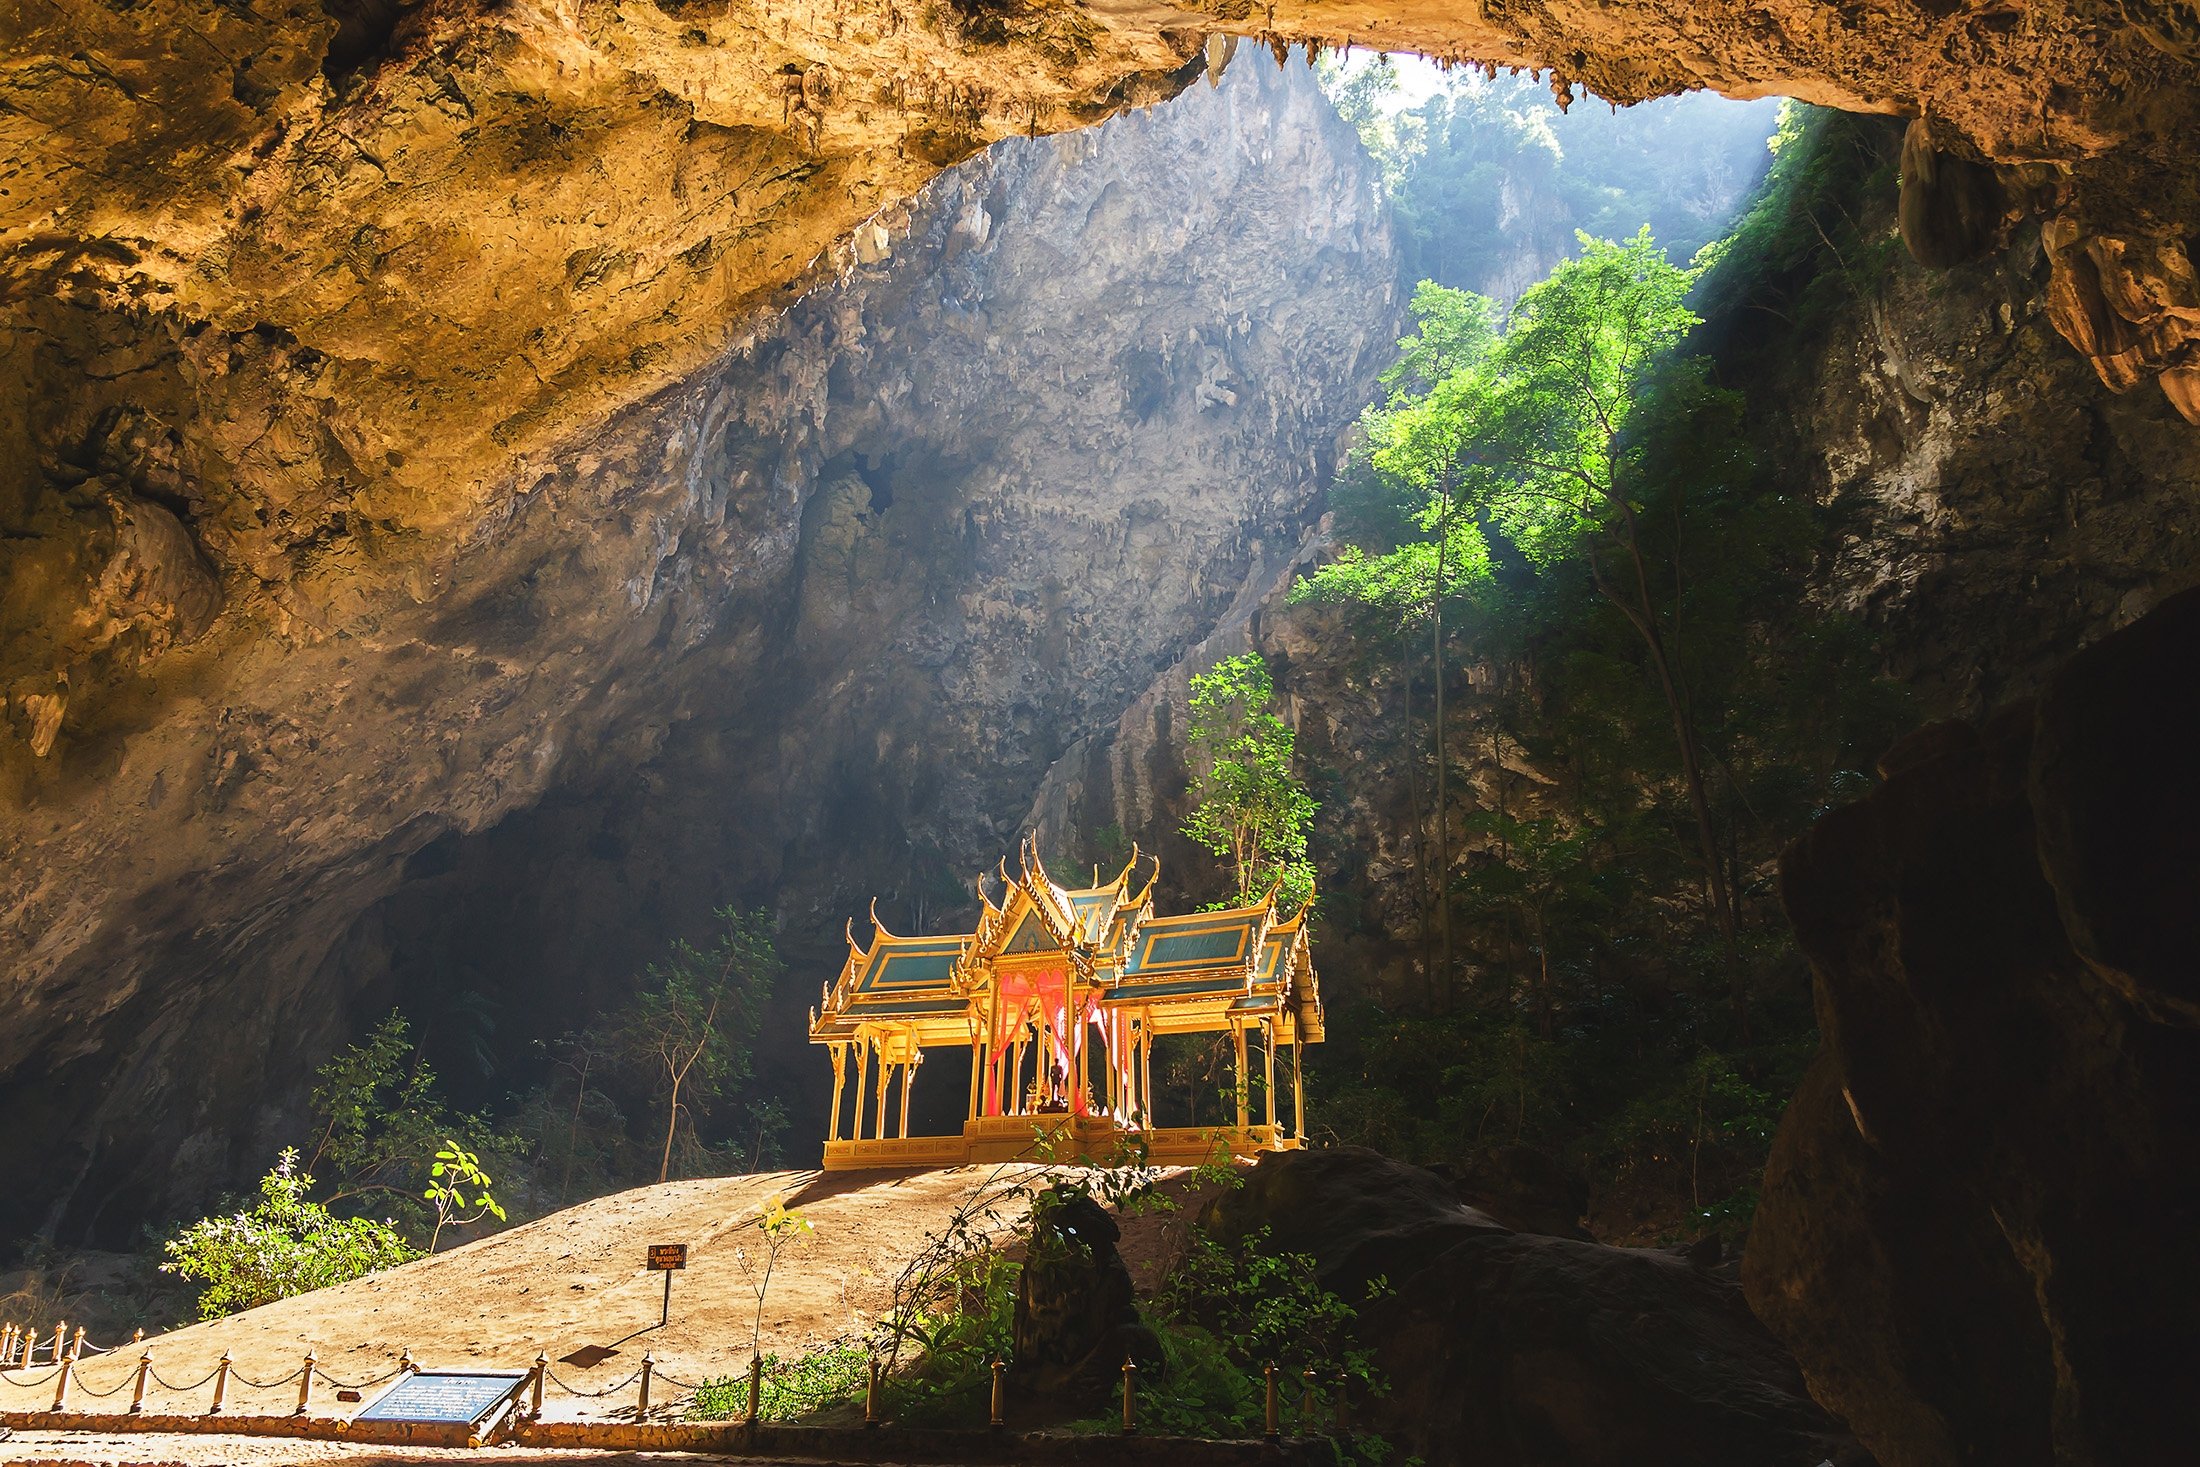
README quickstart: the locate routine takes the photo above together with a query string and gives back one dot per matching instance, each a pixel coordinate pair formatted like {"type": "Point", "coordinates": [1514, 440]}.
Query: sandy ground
{"type": "Point", "coordinates": [573, 1279]}
{"type": "Point", "coordinates": [154, 1449]}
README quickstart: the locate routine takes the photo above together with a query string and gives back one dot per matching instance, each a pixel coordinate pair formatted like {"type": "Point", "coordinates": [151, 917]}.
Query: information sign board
{"type": "Point", "coordinates": [667, 1255]}
{"type": "Point", "coordinates": [446, 1397]}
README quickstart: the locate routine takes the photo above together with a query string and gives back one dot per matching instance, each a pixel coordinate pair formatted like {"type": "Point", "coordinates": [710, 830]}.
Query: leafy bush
{"type": "Point", "coordinates": [1229, 1309]}
{"type": "Point", "coordinates": [791, 1389]}
{"type": "Point", "coordinates": [286, 1245]}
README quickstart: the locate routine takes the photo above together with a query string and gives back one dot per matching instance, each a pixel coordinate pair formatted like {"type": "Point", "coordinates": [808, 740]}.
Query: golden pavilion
{"type": "Point", "coordinates": [1058, 997]}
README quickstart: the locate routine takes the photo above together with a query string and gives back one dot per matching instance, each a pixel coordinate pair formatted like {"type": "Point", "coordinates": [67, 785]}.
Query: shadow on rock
{"type": "Point", "coordinates": [1512, 1349]}
{"type": "Point", "coordinates": [1978, 1219]}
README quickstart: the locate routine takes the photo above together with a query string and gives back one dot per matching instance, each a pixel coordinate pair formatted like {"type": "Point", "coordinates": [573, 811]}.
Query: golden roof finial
{"type": "Point", "coordinates": [1151, 881]}
{"type": "Point", "coordinates": [880, 926]}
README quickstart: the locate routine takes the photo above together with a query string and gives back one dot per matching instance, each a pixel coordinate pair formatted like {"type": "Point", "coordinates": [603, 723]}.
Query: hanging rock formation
{"type": "Point", "coordinates": [807, 627]}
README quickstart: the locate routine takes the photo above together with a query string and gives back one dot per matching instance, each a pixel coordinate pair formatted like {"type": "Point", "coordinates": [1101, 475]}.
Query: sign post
{"type": "Point", "coordinates": [664, 1258]}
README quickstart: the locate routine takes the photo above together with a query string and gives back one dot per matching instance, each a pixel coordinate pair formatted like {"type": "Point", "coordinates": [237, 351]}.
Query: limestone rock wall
{"type": "Point", "coordinates": [809, 626]}
{"type": "Point", "coordinates": [1976, 1228]}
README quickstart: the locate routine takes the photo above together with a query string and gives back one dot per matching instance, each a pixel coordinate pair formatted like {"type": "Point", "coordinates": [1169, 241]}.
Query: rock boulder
{"type": "Point", "coordinates": [1978, 1220]}
{"type": "Point", "coordinates": [1513, 1349]}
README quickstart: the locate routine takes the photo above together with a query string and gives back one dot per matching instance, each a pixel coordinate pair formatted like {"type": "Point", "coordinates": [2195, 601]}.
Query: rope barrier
{"type": "Point", "coordinates": [347, 1385]}
{"type": "Point", "coordinates": [592, 1395]}
{"type": "Point", "coordinates": [114, 1390]}
{"type": "Point", "coordinates": [264, 1385]}
{"type": "Point", "coordinates": [206, 1379]}
{"type": "Point", "coordinates": [46, 1379]}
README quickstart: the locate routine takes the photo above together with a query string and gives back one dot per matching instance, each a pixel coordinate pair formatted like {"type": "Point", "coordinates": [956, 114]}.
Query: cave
{"type": "Point", "coordinates": [493, 498]}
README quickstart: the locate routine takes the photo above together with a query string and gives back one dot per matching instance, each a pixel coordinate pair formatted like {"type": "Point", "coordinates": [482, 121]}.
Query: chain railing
{"type": "Point", "coordinates": [18, 1371]}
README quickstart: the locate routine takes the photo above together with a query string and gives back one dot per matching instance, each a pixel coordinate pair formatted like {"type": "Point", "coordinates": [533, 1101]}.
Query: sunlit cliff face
{"type": "Point", "coordinates": [307, 304]}
{"type": "Point", "coordinates": [362, 263]}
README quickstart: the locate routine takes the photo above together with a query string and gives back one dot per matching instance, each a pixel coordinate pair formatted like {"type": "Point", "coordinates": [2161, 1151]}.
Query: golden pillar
{"type": "Point", "coordinates": [1244, 1081]}
{"type": "Point", "coordinates": [1268, 1061]}
{"type": "Point", "coordinates": [863, 1082]}
{"type": "Point", "coordinates": [840, 1080]}
{"type": "Point", "coordinates": [1298, 1090]}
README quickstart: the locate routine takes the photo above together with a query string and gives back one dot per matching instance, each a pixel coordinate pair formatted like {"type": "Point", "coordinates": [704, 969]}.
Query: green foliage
{"type": "Point", "coordinates": [1246, 802]}
{"type": "Point", "coordinates": [1364, 92]}
{"type": "Point", "coordinates": [455, 1183]}
{"type": "Point", "coordinates": [1800, 250]}
{"type": "Point", "coordinates": [1590, 1017]}
{"type": "Point", "coordinates": [1268, 1305]}
{"type": "Point", "coordinates": [383, 1119]}
{"type": "Point", "coordinates": [1489, 173]}
{"type": "Point", "coordinates": [685, 1039]}
{"type": "Point", "coordinates": [951, 1379]}
{"type": "Point", "coordinates": [791, 1389]}
{"type": "Point", "coordinates": [285, 1245]}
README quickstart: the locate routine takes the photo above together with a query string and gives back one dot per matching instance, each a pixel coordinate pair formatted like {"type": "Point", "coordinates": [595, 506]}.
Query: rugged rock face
{"type": "Point", "coordinates": [2007, 508]}
{"type": "Point", "coordinates": [1520, 1350]}
{"type": "Point", "coordinates": [1076, 1307]}
{"type": "Point", "coordinates": [328, 284]}
{"type": "Point", "coordinates": [809, 626]}
{"type": "Point", "coordinates": [1977, 1225]}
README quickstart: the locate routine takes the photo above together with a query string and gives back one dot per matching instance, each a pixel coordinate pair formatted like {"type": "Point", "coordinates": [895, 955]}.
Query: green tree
{"type": "Point", "coordinates": [383, 1118]}
{"type": "Point", "coordinates": [1580, 359]}
{"type": "Point", "coordinates": [1246, 803]}
{"type": "Point", "coordinates": [1418, 444]}
{"type": "Point", "coordinates": [1531, 434]}
{"type": "Point", "coordinates": [455, 1183]}
{"type": "Point", "coordinates": [285, 1245]}
{"type": "Point", "coordinates": [687, 1036]}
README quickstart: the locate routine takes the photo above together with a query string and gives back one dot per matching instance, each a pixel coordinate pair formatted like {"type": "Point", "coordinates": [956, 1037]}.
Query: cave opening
{"type": "Point", "coordinates": [1676, 589]}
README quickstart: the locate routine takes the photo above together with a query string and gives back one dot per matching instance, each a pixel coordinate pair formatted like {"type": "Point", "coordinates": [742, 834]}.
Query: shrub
{"type": "Point", "coordinates": [792, 1389]}
{"type": "Point", "coordinates": [286, 1245]}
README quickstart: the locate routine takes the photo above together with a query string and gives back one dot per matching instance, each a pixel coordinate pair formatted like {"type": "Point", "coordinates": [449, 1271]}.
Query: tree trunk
{"type": "Point", "coordinates": [573, 1132]}
{"type": "Point", "coordinates": [1443, 803]}
{"type": "Point", "coordinates": [672, 1124]}
{"type": "Point", "coordinates": [1420, 830]}
{"type": "Point", "coordinates": [1543, 972]}
{"type": "Point", "coordinates": [1643, 615]}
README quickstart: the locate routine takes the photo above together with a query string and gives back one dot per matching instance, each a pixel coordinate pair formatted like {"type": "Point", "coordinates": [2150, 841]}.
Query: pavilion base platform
{"type": "Point", "coordinates": [1042, 1138]}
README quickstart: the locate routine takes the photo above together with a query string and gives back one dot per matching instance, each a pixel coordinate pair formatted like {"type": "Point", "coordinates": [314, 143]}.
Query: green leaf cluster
{"type": "Point", "coordinates": [1247, 804]}
{"type": "Point", "coordinates": [286, 1244]}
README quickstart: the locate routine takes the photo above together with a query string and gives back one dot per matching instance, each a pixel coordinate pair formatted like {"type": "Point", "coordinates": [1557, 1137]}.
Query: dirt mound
{"type": "Point", "coordinates": [576, 1279]}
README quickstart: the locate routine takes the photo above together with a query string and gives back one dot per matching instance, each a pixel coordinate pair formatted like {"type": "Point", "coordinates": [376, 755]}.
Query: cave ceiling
{"type": "Point", "coordinates": [307, 305]}
{"type": "Point", "coordinates": [484, 224]}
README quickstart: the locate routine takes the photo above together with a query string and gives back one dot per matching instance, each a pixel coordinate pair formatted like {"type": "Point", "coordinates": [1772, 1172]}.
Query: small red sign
{"type": "Point", "coordinates": [668, 1255]}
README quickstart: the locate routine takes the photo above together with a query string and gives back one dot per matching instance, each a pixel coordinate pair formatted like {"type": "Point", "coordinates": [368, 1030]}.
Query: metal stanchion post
{"type": "Point", "coordinates": [1274, 1405]}
{"type": "Point", "coordinates": [137, 1392]}
{"type": "Point", "coordinates": [60, 1340]}
{"type": "Point", "coordinates": [870, 1396]}
{"type": "Point", "coordinates": [221, 1386]}
{"type": "Point", "coordinates": [1000, 1393]}
{"type": "Point", "coordinates": [649, 1368]}
{"type": "Point", "coordinates": [756, 1386]}
{"type": "Point", "coordinates": [542, 1372]}
{"type": "Point", "coordinates": [305, 1383]}
{"type": "Point", "coordinates": [68, 1370]}
{"type": "Point", "coordinates": [7, 1344]}
{"type": "Point", "coordinates": [1130, 1390]}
